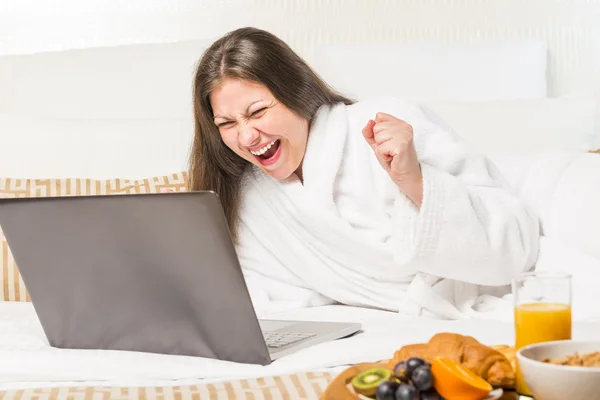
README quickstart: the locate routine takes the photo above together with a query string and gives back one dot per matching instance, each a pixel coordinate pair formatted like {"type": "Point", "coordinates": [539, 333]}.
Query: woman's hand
{"type": "Point", "coordinates": [392, 141]}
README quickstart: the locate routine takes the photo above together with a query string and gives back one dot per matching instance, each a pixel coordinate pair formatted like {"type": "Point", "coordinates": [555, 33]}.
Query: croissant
{"type": "Point", "coordinates": [509, 352]}
{"type": "Point", "coordinates": [487, 362]}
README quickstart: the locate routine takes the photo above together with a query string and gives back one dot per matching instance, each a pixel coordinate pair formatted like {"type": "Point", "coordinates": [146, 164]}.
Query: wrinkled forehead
{"type": "Point", "coordinates": [233, 97]}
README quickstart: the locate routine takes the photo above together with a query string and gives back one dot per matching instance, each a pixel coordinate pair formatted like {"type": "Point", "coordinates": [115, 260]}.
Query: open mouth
{"type": "Point", "coordinates": [269, 153]}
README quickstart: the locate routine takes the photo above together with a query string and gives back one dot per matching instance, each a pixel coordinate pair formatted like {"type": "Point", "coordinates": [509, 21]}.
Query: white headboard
{"type": "Point", "coordinates": [570, 28]}
{"type": "Point", "coordinates": [78, 42]}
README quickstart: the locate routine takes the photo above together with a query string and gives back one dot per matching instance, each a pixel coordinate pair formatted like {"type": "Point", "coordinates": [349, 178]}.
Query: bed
{"type": "Point", "coordinates": [97, 101]}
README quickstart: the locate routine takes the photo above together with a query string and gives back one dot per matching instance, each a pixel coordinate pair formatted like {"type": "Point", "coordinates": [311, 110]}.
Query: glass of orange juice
{"type": "Point", "coordinates": [542, 303]}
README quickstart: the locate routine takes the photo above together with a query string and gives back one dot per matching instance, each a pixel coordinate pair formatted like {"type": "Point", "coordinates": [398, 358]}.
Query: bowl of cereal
{"type": "Point", "coordinates": [564, 369]}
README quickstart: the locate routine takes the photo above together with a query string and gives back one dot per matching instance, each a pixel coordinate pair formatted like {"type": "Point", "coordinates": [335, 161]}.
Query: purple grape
{"type": "Point", "coordinates": [400, 372]}
{"type": "Point", "coordinates": [386, 390]}
{"type": "Point", "coordinates": [431, 395]}
{"type": "Point", "coordinates": [406, 392]}
{"type": "Point", "coordinates": [422, 378]}
{"type": "Point", "coordinates": [412, 364]}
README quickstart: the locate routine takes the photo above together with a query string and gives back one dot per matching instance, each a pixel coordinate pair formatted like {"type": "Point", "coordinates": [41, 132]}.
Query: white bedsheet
{"type": "Point", "coordinates": [26, 359]}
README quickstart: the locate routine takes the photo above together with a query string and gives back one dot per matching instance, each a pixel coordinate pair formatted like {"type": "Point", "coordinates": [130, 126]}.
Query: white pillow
{"type": "Point", "coordinates": [575, 211]}
{"type": "Point", "coordinates": [435, 72]}
{"type": "Point", "coordinates": [36, 147]}
{"type": "Point", "coordinates": [566, 123]}
{"type": "Point", "coordinates": [155, 80]}
{"type": "Point", "coordinates": [144, 80]}
{"type": "Point", "coordinates": [564, 190]}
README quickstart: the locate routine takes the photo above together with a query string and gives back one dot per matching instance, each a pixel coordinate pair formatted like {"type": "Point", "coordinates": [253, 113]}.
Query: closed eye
{"type": "Point", "coordinates": [224, 124]}
{"type": "Point", "coordinates": [255, 113]}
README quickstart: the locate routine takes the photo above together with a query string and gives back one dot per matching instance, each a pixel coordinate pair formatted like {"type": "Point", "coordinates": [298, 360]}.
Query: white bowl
{"type": "Point", "coordinates": [559, 382]}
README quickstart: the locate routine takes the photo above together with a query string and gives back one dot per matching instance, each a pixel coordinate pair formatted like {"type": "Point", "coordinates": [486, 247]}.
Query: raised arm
{"type": "Point", "coordinates": [455, 217]}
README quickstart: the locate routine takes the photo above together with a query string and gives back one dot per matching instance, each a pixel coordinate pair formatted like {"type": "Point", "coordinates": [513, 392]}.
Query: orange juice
{"type": "Point", "coordinates": [540, 322]}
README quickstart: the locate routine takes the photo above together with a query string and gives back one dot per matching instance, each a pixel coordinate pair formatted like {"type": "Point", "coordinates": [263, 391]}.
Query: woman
{"type": "Point", "coordinates": [334, 201]}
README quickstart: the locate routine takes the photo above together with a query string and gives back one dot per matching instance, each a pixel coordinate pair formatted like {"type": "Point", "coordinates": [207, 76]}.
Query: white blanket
{"type": "Point", "coordinates": [348, 234]}
{"type": "Point", "coordinates": [26, 359]}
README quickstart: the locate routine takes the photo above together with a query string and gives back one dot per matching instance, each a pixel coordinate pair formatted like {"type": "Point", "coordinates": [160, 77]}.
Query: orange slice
{"type": "Point", "coordinates": [456, 382]}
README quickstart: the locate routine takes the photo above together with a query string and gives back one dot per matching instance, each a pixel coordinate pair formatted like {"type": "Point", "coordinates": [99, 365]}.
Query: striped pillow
{"type": "Point", "coordinates": [12, 287]}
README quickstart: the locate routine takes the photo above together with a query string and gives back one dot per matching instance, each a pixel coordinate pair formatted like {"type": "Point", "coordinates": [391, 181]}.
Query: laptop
{"type": "Point", "coordinates": [153, 273]}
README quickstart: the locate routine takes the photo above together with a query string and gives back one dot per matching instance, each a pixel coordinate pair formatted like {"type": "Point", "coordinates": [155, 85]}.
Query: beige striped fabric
{"type": "Point", "coordinates": [11, 283]}
{"type": "Point", "coordinates": [309, 385]}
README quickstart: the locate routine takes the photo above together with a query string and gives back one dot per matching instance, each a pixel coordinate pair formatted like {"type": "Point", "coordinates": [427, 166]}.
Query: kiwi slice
{"type": "Point", "coordinates": [366, 382]}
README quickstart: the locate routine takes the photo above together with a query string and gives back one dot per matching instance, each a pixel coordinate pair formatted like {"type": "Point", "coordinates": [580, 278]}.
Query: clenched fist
{"type": "Point", "coordinates": [392, 141]}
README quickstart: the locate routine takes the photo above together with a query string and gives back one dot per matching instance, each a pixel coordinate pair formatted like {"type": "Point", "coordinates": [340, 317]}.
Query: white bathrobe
{"type": "Point", "coordinates": [349, 235]}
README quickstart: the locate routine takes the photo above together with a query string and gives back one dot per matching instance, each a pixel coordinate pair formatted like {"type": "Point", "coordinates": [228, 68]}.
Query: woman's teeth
{"type": "Point", "coordinates": [264, 149]}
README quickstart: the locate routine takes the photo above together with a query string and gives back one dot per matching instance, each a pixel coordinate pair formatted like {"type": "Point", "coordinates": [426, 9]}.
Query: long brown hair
{"type": "Point", "coordinates": [254, 55]}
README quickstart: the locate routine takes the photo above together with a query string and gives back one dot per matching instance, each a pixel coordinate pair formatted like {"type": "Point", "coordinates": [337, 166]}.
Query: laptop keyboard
{"type": "Point", "coordinates": [278, 339]}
